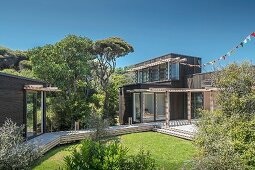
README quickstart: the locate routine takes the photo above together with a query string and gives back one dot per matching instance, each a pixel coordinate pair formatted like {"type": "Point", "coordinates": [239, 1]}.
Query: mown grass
{"type": "Point", "coordinates": [169, 152]}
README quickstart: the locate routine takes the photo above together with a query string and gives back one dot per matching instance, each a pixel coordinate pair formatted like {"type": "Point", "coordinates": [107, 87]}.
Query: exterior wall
{"type": "Point", "coordinates": [13, 97]}
{"type": "Point", "coordinates": [198, 81]}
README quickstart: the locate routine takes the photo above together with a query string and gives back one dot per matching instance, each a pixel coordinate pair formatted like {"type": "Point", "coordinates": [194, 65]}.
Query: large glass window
{"type": "Point", "coordinates": [154, 73]}
{"type": "Point", "coordinates": [174, 71]}
{"type": "Point", "coordinates": [163, 72]}
{"type": "Point", "coordinates": [137, 107]}
{"type": "Point", "coordinates": [160, 106]}
{"type": "Point", "coordinates": [34, 114]}
{"type": "Point", "coordinates": [196, 104]}
{"type": "Point", "coordinates": [148, 115]}
{"type": "Point", "coordinates": [145, 75]}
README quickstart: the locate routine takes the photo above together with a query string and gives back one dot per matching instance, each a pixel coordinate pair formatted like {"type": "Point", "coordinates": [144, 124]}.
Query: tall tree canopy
{"type": "Point", "coordinates": [65, 63]}
{"type": "Point", "coordinates": [106, 52]}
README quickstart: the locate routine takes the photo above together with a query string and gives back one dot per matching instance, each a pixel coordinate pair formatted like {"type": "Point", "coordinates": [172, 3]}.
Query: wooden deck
{"type": "Point", "coordinates": [47, 141]}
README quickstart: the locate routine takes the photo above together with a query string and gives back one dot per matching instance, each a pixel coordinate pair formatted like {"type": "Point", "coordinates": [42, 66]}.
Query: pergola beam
{"type": "Point", "coordinates": [40, 88]}
{"type": "Point", "coordinates": [146, 65]}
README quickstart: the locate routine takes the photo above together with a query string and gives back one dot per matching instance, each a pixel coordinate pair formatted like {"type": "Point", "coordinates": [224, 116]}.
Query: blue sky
{"type": "Point", "coordinates": [204, 28]}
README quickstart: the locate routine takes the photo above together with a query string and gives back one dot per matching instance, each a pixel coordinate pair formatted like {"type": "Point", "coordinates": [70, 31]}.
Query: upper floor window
{"type": "Point", "coordinates": [154, 73]}
{"type": "Point", "coordinates": [174, 71]}
{"type": "Point", "coordinates": [145, 75]}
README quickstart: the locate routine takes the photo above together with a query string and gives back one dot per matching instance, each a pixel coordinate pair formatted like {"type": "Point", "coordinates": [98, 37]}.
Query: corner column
{"type": "Point", "coordinates": [142, 106]}
{"type": "Point", "coordinates": [189, 105]}
{"type": "Point", "coordinates": [43, 107]}
{"type": "Point", "coordinates": [167, 108]}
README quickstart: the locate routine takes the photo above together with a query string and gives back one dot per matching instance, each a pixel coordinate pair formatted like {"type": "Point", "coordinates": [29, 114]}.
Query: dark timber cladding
{"type": "Point", "coordinates": [166, 71]}
{"type": "Point", "coordinates": [13, 97]}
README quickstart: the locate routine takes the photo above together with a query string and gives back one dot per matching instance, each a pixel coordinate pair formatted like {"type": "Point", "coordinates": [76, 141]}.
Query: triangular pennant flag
{"type": "Point", "coordinates": [245, 41]}
{"type": "Point", "coordinates": [224, 57]}
{"type": "Point", "coordinates": [253, 34]}
{"type": "Point", "coordinates": [241, 44]}
{"type": "Point", "coordinates": [232, 51]}
{"type": "Point", "coordinates": [249, 37]}
{"type": "Point", "coordinates": [228, 54]}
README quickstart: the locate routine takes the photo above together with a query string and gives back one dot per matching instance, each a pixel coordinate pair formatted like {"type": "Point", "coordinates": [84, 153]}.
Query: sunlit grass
{"type": "Point", "coordinates": [169, 152]}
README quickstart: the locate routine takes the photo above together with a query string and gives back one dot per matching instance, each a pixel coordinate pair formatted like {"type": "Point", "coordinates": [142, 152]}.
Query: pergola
{"type": "Point", "coordinates": [42, 90]}
{"type": "Point", "coordinates": [167, 91]}
{"type": "Point", "coordinates": [158, 62]}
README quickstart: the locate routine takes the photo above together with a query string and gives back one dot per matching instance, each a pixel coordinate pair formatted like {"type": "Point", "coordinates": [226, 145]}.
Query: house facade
{"type": "Point", "coordinates": [23, 100]}
{"type": "Point", "coordinates": [166, 88]}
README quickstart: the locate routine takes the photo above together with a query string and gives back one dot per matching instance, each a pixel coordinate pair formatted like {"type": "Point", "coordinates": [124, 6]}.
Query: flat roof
{"type": "Point", "coordinates": [171, 57]}
{"type": "Point", "coordinates": [173, 90]}
{"type": "Point", "coordinates": [22, 78]}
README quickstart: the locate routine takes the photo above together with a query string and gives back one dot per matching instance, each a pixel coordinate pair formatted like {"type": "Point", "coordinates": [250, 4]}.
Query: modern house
{"type": "Point", "coordinates": [168, 87]}
{"type": "Point", "coordinates": [23, 100]}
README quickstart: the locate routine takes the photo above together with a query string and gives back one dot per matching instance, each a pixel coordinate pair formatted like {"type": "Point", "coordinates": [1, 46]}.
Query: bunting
{"type": "Point", "coordinates": [231, 52]}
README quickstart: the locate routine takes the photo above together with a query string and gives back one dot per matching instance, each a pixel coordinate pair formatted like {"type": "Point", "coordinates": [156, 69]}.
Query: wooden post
{"type": "Point", "coordinates": [76, 126]}
{"type": "Point", "coordinates": [43, 107]}
{"type": "Point", "coordinates": [155, 106]}
{"type": "Point", "coordinates": [189, 105]}
{"type": "Point", "coordinates": [211, 101]}
{"type": "Point", "coordinates": [25, 112]}
{"type": "Point", "coordinates": [167, 108]}
{"type": "Point", "coordinates": [121, 105]}
{"type": "Point", "coordinates": [142, 106]}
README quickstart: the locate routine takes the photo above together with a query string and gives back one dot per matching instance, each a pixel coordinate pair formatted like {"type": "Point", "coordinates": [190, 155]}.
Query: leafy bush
{"type": "Point", "coordinates": [96, 155]}
{"type": "Point", "coordinates": [226, 137]}
{"type": "Point", "coordinates": [14, 153]}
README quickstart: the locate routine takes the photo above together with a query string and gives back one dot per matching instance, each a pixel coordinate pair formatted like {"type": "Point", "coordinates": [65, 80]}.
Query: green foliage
{"type": "Point", "coordinates": [141, 161]}
{"type": "Point", "coordinates": [106, 52]}
{"type": "Point", "coordinates": [107, 156]}
{"type": "Point", "coordinates": [25, 64]}
{"type": "Point", "coordinates": [14, 153]}
{"type": "Point", "coordinates": [66, 65]}
{"type": "Point", "coordinates": [97, 156]}
{"type": "Point", "coordinates": [225, 137]}
{"type": "Point", "coordinates": [23, 73]}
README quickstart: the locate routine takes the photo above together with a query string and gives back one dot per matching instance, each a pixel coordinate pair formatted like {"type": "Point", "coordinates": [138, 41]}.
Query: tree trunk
{"type": "Point", "coordinates": [106, 105]}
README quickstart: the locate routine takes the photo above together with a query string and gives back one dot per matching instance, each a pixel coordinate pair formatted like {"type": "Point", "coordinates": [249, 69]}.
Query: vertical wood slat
{"type": "Point", "coordinates": [189, 106]}
{"type": "Point", "coordinates": [211, 101]}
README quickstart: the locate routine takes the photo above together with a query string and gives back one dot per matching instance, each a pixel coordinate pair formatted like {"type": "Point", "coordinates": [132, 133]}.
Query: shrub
{"type": "Point", "coordinates": [96, 155]}
{"type": "Point", "coordinates": [14, 152]}
{"type": "Point", "coordinates": [225, 137]}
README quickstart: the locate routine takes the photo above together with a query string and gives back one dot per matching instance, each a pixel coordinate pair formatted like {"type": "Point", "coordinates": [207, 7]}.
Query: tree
{"type": "Point", "coordinates": [225, 137]}
{"type": "Point", "coordinates": [66, 65]}
{"type": "Point", "coordinates": [106, 52]}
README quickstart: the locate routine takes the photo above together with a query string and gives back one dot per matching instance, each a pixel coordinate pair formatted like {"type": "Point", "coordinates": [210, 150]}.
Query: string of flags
{"type": "Point", "coordinates": [224, 57]}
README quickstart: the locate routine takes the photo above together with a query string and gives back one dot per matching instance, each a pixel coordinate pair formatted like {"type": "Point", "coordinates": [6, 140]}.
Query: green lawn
{"type": "Point", "coordinates": [169, 152]}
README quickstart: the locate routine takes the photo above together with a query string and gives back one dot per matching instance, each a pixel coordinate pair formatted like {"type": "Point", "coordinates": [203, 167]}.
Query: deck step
{"type": "Point", "coordinates": [176, 133]}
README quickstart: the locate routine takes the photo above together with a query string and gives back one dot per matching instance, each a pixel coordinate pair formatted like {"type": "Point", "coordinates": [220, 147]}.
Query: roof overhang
{"type": "Point", "coordinates": [161, 61]}
{"type": "Point", "coordinates": [173, 90]}
{"type": "Point", "coordinates": [40, 88]}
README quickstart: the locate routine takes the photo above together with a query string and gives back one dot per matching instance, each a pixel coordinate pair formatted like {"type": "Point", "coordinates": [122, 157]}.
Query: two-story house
{"type": "Point", "coordinates": [166, 88]}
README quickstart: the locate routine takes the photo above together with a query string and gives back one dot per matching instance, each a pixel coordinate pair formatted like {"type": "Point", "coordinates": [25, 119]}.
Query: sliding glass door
{"type": "Point", "coordinates": [136, 107]}
{"type": "Point", "coordinates": [34, 114]}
